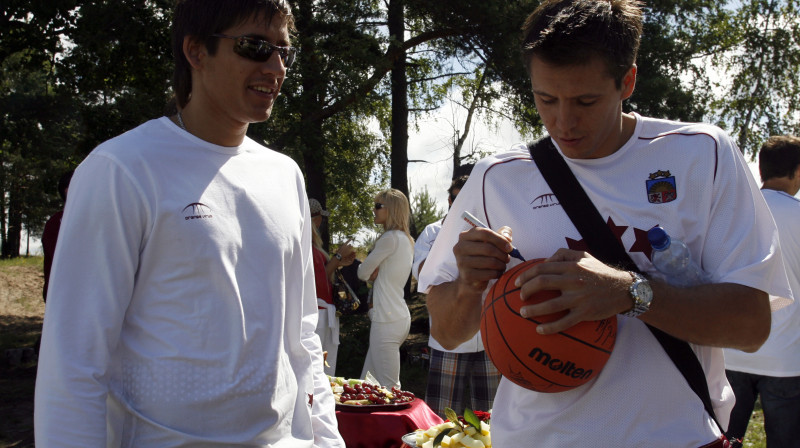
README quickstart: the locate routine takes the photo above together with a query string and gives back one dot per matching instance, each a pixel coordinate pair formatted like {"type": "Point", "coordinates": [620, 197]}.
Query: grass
{"type": "Point", "coordinates": [755, 437]}
{"type": "Point", "coordinates": [21, 261]}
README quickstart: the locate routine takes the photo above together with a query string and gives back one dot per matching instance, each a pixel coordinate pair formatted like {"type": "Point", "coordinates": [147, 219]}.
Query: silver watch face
{"type": "Point", "coordinates": [641, 290]}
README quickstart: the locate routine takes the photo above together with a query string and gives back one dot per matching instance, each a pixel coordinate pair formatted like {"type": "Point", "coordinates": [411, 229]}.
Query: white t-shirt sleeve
{"type": "Point", "coordinates": [730, 240]}
{"type": "Point", "coordinates": [423, 246]}
{"type": "Point", "coordinates": [385, 246]}
{"type": "Point", "coordinates": [105, 219]}
{"type": "Point", "coordinates": [440, 266]}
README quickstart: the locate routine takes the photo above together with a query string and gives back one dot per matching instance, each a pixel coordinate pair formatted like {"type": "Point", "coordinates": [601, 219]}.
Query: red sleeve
{"type": "Point", "coordinates": [324, 287]}
{"type": "Point", "coordinates": [49, 238]}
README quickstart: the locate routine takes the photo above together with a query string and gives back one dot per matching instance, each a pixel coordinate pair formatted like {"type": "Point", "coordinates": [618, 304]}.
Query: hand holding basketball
{"type": "Point", "coordinates": [589, 290]}
{"type": "Point", "coordinates": [544, 363]}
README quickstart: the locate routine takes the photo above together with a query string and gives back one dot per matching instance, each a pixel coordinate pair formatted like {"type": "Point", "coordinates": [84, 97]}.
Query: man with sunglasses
{"type": "Point", "coordinates": [183, 308]}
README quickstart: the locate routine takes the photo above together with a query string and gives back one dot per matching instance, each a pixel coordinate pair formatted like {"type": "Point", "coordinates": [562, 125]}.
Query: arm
{"type": "Point", "coordinates": [347, 254]}
{"type": "Point", "coordinates": [385, 246]}
{"type": "Point", "coordinates": [49, 237]}
{"type": "Point", "coordinates": [703, 314]}
{"type": "Point", "coordinates": [91, 286]}
{"type": "Point", "coordinates": [422, 247]}
{"type": "Point", "coordinates": [455, 306]}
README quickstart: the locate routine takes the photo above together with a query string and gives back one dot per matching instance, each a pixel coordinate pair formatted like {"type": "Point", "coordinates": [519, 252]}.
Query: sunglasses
{"type": "Point", "coordinates": [379, 206]}
{"type": "Point", "coordinates": [260, 50]}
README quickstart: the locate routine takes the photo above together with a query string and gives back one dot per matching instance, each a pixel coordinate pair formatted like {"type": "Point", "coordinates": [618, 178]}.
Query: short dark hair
{"type": "Point", "coordinates": [202, 18]}
{"type": "Point", "coordinates": [457, 183]}
{"type": "Point", "coordinates": [571, 32]}
{"type": "Point", "coordinates": [779, 157]}
{"type": "Point", "coordinates": [63, 184]}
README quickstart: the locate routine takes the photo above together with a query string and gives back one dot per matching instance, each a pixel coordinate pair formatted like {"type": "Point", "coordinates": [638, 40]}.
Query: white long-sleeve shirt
{"type": "Point", "coordinates": [393, 254]}
{"type": "Point", "coordinates": [182, 301]}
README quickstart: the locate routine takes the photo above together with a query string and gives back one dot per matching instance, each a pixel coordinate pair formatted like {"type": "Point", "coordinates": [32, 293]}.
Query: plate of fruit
{"type": "Point", "coordinates": [355, 395]}
{"type": "Point", "coordinates": [472, 430]}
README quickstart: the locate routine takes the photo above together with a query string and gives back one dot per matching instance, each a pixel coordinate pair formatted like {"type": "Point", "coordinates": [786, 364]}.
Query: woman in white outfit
{"type": "Point", "coordinates": [389, 267]}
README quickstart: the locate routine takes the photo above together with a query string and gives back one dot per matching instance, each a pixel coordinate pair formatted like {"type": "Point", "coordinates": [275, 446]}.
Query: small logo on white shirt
{"type": "Point", "coordinates": [544, 201]}
{"type": "Point", "coordinates": [196, 210]}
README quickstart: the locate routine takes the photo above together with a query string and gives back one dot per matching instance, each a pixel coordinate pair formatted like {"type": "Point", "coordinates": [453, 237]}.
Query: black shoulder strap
{"type": "Point", "coordinates": [605, 247]}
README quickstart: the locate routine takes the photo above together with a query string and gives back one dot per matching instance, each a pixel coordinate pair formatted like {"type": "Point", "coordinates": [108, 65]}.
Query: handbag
{"type": "Point", "coordinates": [344, 298]}
{"type": "Point", "coordinates": [604, 246]}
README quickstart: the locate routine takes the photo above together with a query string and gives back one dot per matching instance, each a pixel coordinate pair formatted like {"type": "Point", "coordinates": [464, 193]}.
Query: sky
{"type": "Point", "coordinates": [433, 143]}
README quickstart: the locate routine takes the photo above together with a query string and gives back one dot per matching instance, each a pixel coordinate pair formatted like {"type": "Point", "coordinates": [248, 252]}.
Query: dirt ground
{"type": "Point", "coordinates": [17, 283]}
{"type": "Point", "coordinates": [21, 313]}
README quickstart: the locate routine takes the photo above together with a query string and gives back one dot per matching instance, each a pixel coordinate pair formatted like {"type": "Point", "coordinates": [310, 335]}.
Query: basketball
{"type": "Point", "coordinates": [543, 363]}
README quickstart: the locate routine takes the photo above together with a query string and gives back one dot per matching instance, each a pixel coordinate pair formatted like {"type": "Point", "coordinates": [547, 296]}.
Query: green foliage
{"type": "Point", "coordinates": [37, 140]}
{"type": "Point", "coordinates": [79, 73]}
{"type": "Point", "coordinates": [762, 60]}
{"type": "Point", "coordinates": [75, 73]}
{"type": "Point", "coordinates": [423, 212]}
{"type": "Point", "coordinates": [669, 85]}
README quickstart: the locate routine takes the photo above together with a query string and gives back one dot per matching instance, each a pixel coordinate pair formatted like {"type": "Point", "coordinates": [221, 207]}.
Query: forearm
{"type": "Point", "coordinates": [717, 315]}
{"type": "Point", "coordinates": [330, 268]}
{"type": "Point", "coordinates": [455, 313]}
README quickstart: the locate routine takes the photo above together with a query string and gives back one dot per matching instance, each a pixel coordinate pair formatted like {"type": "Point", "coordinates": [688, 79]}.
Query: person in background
{"type": "Point", "coordinates": [51, 228]}
{"type": "Point", "coordinates": [388, 266]}
{"type": "Point", "coordinates": [690, 178]}
{"type": "Point", "coordinates": [182, 305]}
{"type": "Point", "coordinates": [324, 270]}
{"type": "Point", "coordinates": [451, 371]}
{"type": "Point", "coordinates": [773, 372]}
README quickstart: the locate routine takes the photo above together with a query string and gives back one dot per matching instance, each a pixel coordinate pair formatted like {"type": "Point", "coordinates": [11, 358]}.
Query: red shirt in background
{"type": "Point", "coordinates": [324, 287]}
{"type": "Point", "coordinates": [49, 238]}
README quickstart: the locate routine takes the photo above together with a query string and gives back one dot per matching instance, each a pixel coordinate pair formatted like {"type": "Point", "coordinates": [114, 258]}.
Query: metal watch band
{"type": "Point", "coordinates": [640, 306]}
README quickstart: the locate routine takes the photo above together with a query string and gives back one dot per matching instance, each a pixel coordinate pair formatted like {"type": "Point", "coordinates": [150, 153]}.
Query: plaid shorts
{"type": "Point", "coordinates": [451, 373]}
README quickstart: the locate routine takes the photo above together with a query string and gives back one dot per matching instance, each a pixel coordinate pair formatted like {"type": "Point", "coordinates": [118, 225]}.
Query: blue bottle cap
{"type": "Point", "coordinates": [658, 238]}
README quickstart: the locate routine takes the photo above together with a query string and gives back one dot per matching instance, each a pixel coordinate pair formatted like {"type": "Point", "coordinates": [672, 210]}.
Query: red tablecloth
{"type": "Point", "coordinates": [384, 429]}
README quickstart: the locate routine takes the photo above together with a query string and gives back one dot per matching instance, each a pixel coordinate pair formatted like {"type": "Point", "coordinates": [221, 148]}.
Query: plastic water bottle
{"type": "Point", "coordinates": [673, 259]}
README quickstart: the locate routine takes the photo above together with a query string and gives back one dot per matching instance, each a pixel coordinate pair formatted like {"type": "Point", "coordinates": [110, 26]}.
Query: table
{"type": "Point", "coordinates": [384, 429]}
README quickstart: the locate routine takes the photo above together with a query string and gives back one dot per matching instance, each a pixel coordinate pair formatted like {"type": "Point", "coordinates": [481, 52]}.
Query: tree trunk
{"type": "Point", "coordinates": [396, 18]}
{"type": "Point", "coordinates": [399, 169]}
{"type": "Point", "coordinates": [311, 139]}
{"type": "Point", "coordinates": [14, 230]}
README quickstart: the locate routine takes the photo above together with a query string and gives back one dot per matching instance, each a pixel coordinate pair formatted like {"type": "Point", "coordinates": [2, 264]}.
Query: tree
{"type": "Point", "coordinates": [760, 59]}
{"type": "Point", "coordinates": [37, 135]}
{"type": "Point", "coordinates": [424, 211]}
{"type": "Point", "coordinates": [59, 102]}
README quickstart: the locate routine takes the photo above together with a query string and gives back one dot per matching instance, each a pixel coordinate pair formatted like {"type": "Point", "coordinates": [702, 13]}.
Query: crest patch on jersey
{"type": "Point", "coordinates": [661, 187]}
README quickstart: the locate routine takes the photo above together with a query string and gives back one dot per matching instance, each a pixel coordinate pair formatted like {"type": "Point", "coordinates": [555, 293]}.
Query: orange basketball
{"type": "Point", "coordinates": [544, 363]}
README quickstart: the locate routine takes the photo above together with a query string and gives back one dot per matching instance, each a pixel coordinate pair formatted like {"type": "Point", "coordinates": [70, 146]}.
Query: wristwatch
{"type": "Point", "coordinates": [338, 256]}
{"type": "Point", "coordinates": [642, 295]}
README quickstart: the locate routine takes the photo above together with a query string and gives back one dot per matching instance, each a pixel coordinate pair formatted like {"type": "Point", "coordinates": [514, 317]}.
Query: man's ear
{"type": "Point", "coordinates": [628, 82]}
{"type": "Point", "coordinates": [195, 51]}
